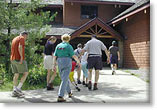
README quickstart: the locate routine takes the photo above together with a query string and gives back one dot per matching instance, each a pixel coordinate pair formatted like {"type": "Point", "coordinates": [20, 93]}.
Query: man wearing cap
{"type": "Point", "coordinates": [114, 56]}
{"type": "Point", "coordinates": [94, 47]}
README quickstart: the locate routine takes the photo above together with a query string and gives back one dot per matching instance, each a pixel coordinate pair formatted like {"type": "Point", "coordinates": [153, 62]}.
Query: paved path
{"type": "Point", "coordinates": [119, 88]}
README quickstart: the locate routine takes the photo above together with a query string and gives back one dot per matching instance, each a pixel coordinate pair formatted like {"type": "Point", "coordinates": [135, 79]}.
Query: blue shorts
{"type": "Point", "coordinates": [113, 59]}
{"type": "Point", "coordinates": [94, 62]}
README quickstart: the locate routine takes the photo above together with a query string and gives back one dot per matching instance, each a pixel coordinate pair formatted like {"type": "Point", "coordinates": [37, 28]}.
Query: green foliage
{"type": "Point", "coordinates": [14, 18]}
{"type": "Point", "coordinates": [37, 73]}
{"type": "Point", "coordinates": [2, 72]}
{"type": "Point", "coordinates": [25, 16]}
{"type": "Point", "coordinates": [35, 80]}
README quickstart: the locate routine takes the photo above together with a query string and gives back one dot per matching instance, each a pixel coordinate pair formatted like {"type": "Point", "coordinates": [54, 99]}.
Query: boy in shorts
{"type": "Point", "coordinates": [114, 56]}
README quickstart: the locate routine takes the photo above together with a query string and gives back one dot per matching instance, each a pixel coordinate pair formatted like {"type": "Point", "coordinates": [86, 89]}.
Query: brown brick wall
{"type": "Point", "coordinates": [72, 13]}
{"type": "Point", "coordinates": [136, 47]}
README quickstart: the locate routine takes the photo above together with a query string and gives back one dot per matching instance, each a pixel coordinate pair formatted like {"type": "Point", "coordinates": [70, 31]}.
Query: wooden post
{"type": "Point", "coordinates": [121, 46]}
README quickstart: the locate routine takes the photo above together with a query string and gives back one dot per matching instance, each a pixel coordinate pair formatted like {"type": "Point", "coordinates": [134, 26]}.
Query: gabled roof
{"type": "Point", "coordinates": [96, 21]}
{"type": "Point", "coordinates": [136, 6]}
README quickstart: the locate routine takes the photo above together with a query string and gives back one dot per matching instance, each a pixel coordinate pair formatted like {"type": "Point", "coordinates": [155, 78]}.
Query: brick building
{"type": "Point", "coordinates": [126, 21]}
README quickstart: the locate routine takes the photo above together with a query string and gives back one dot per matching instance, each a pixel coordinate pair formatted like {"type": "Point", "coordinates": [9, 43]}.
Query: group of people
{"type": "Point", "coordinates": [66, 59]}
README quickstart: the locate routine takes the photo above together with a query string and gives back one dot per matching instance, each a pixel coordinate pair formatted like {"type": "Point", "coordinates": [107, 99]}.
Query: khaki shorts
{"type": "Point", "coordinates": [19, 68]}
{"type": "Point", "coordinates": [48, 62]}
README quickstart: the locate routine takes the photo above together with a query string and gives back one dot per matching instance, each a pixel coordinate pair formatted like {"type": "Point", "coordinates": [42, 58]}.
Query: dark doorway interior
{"type": "Point", "coordinates": [107, 42]}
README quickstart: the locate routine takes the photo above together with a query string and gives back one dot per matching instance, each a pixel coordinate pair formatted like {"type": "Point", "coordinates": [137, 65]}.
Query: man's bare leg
{"type": "Point", "coordinates": [15, 80]}
{"type": "Point", "coordinates": [90, 79]}
{"type": "Point", "coordinates": [22, 80]}
{"type": "Point", "coordinates": [96, 76]}
{"type": "Point", "coordinates": [96, 79]}
{"type": "Point", "coordinates": [90, 74]}
{"type": "Point", "coordinates": [115, 66]}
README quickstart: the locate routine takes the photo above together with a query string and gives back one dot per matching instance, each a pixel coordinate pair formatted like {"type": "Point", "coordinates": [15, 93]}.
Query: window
{"type": "Point", "coordinates": [89, 12]}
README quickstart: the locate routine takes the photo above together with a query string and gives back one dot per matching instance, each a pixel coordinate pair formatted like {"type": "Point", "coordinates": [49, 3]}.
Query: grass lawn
{"type": "Point", "coordinates": [8, 85]}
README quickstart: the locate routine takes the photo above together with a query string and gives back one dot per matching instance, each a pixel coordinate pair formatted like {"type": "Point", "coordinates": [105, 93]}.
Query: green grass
{"type": "Point", "coordinates": [147, 81]}
{"type": "Point", "coordinates": [8, 85]}
{"type": "Point", "coordinates": [135, 75]}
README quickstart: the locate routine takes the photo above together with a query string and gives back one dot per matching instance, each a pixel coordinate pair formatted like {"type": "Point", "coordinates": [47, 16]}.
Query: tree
{"type": "Point", "coordinates": [23, 16]}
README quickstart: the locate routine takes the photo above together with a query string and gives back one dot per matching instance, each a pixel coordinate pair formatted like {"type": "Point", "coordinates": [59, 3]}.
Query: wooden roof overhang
{"type": "Point", "coordinates": [136, 8]}
{"type": "Point", "coordinates": [100, 2]}
{"type": "Point", "coordinates": [129, 14]}
{"type": "Point", "coordinates": [98, 27]}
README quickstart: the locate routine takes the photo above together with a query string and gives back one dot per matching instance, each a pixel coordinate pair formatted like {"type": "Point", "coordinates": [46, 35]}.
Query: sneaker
{"type": "Point", "coordinates": [70, 95]}
{"type": "Point", "coordinates": [86, 85]}
{"type": "Point", "coordinates": [78, 82]}
{"type": "Point", "coordinates": [61, 99]}
{"type": "Point", "coordinates": [89, 85]}
{"type": "Point", "coordinates": [83, 83]}
{"type": "Point", "coordinates": [19, 91]}
{"type": "Point", "coordinates": [113, 72]}
{"type": "Point", "coordinates": [78, 88]}
{"type": "Point", "coordinates": [95, 87]}
{"type": "Point", "coordinates": [16, 94]}
{"type": "Point", "coordinates": [50, 86]}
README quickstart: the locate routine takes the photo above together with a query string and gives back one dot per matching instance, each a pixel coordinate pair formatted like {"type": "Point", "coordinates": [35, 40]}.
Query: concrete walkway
{"type": "Point", "coordinates": [119, 88]}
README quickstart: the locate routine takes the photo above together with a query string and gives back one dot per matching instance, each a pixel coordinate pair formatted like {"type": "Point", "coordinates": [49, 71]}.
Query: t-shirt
{"type": "Point", "coordinates": [94, 46]}
{"type": "Point", "coordinates": [77, 52]}
{"type": "Point", "coordinates": [84, 58]}
{"type": "Point", "coordinates": [113, 50]}
{"type": "Point", "coordinates": [64, 49]}
{"type": "Point", "coordinates": [15, 55]}
{"type": "Point", "coordinates": [49, 48]}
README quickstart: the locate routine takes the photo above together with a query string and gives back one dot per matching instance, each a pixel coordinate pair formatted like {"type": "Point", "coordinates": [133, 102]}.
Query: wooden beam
{"type": "Point", "coordinates": [92, 30]}
{"type": "Point", "coordinates": [103, 33]}
{"type": "Point", "coordinates": [89, 32]}
{"type": "Point", "coordinates": [99, 30]}
{"type": "Point", "coordinates": [96, 30]}
{"type": "Point", "coordinates": [99, 36]}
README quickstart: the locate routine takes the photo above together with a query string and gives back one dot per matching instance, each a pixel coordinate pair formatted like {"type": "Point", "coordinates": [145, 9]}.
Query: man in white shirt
{"type": "Point", "coordinates": [94, 47]}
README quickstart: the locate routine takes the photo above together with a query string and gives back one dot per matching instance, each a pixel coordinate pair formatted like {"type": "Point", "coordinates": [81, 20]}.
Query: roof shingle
{"type": "Point", "coordinates": [60, 30]}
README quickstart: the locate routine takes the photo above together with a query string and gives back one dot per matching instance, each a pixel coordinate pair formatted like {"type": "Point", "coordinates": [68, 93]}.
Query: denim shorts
{"type": "Point", "coordinates": [94, 62]}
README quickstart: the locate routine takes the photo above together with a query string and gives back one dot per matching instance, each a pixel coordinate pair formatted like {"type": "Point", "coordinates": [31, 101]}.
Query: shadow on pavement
{"type": "Point", "coordinates": [76, 100]}
{"type": "Point", "coordinates": [36, 100]}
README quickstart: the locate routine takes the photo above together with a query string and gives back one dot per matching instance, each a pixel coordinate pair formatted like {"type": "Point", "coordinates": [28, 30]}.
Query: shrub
{"type": "Point", "coordinates": [37, 72]}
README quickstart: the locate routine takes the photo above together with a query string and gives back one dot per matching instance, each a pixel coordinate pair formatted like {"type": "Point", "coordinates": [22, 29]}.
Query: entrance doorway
{"type": "Point", "coordinates": [107, 42]}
